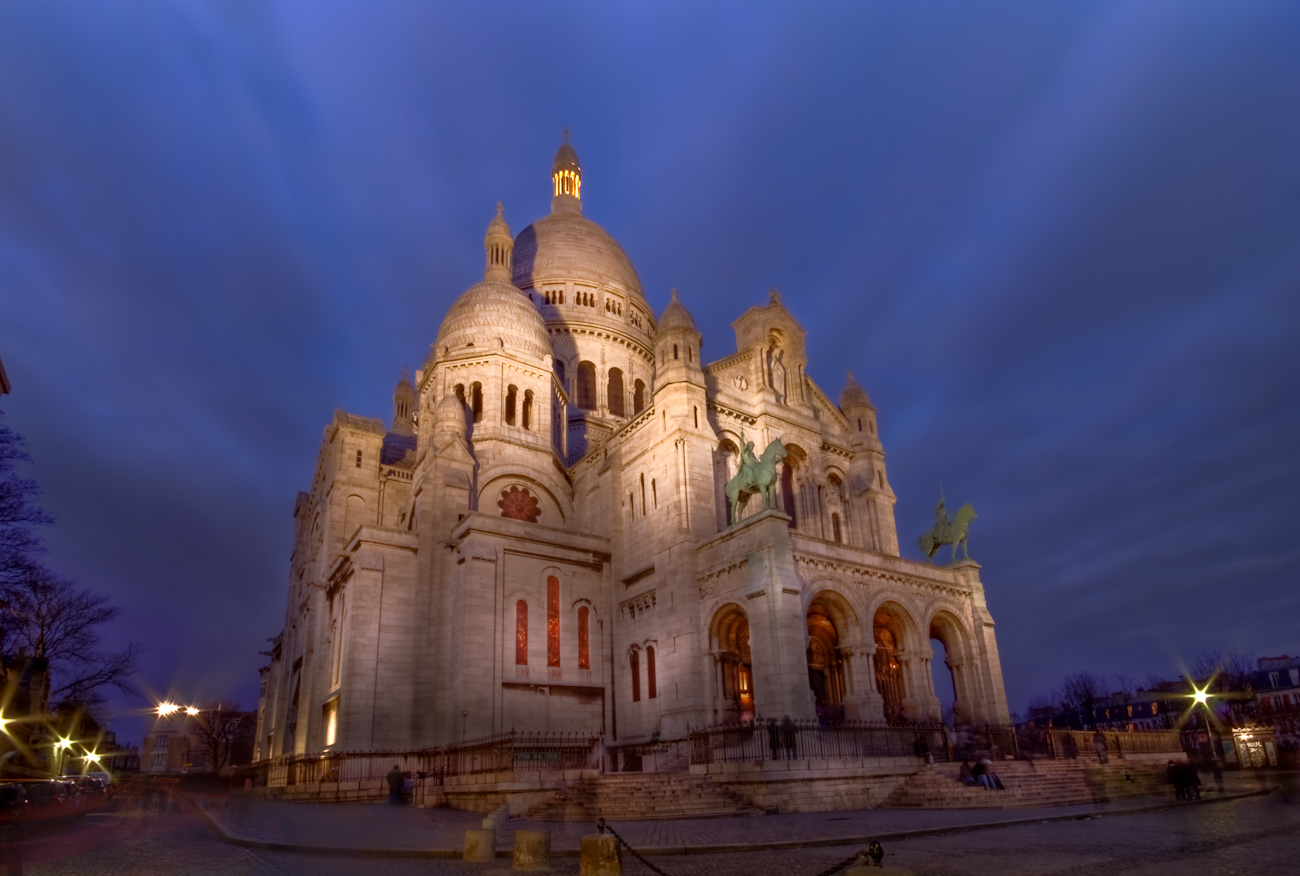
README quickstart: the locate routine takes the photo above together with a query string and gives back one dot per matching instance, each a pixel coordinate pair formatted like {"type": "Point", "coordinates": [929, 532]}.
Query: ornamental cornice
{"type": "Point", "coordinates": [834, 450]}
{"type": "Point", "coordinates": [854, 571]}
{"type": "Point", "coordinates": [734, 414]}
{"type": "Point", "coordinates": [604, 334]}
{"type": "Point", "coordinates": [717, 579]}
{"type": "Point", "coordinates": [723, 364]}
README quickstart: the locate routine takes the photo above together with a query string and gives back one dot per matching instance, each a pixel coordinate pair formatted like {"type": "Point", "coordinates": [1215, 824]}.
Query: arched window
{"type": "Point", "coordinates": [584, 638]}
{"type": "Point", "coordinates": [635, 660]}
{"type": "Point", "coordinates": [527, 419]}
{"type": "Point", "coordinates": [835, 529]}
{"type": "Point", "coordinates": [460, 395]}
{"type": "Point", "coordinates": [615, 392]}
{"type": "Point", "coordinates": [638, 397]}
{"type": "Point", "coordinates": [651, 690]}
{"type": "Point", "coordinates": [521, 633]}
{"type": "Point", "coordinates": [511, 395]}
{"type": "Point", "coordinates": [552, 621]}
{"type": "Point", "coordinates": [586, 386]}
{"type": "Point", "coordinates": [476, 402]}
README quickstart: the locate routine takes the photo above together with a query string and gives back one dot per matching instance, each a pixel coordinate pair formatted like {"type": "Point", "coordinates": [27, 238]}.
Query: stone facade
{"type": "Point", "coordinates": [541, 541]}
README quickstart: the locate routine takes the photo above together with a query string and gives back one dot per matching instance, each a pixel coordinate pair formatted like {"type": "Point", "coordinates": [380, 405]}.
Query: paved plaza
{"type": "Point", "coordinates": [157, 831]}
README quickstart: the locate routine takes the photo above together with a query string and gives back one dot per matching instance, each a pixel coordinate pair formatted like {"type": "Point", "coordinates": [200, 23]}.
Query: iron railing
{"type": "Point", "coordinates": [504, 752]}
{"type": "Point", "coordinates": [797, 740]}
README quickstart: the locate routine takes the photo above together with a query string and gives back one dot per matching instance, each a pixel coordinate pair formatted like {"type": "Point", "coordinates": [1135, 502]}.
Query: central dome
{"type": "Point", "coordinates": [565, 246]}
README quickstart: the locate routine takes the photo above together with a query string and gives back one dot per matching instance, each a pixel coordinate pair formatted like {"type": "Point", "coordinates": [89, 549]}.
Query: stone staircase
{"type": "Point", "coordinates": [1029, 785]}
{"type": "Point", "coordinates": [641, 797]}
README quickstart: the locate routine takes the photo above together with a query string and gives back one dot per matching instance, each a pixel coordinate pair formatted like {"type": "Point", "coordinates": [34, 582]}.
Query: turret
{"type": "Point", "coordinates": [404, 406]}
{"type": "Point", "coordinates": [677, 347]}
{"type": "Point", "coordinates": [861, 414]}
{"type": "Point", "coordinates": [500, 247]}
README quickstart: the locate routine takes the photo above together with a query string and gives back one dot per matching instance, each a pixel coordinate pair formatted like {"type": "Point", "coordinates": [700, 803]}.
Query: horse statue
{"type": "Point", "coordinates": [948, 531]}
{"type": "Point", "coordinates": [756, 475]}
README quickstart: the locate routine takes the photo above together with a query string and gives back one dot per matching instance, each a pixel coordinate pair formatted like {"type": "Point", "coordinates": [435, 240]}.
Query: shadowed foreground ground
{"type": "Point", "coordinates": [157, 832]}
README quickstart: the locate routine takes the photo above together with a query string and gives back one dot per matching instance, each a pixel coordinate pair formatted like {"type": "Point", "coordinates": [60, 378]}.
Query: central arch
{"type": "Point", "coordinates": [831, 624]}
{"type": "Point", "coordinates": [733, 663]}
{"type": "Point", "coordinates": [888, 628]}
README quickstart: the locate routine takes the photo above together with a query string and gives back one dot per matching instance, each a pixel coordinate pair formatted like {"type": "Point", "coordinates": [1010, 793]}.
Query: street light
{"type": "Point", "coordinates": [191, 711]}
{"type": "Point", "coordinates": [165, 709]}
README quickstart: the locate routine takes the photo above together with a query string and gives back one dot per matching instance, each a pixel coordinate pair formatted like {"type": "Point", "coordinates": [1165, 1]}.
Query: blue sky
{"type": "Point", "coordinates": [1058, 243]}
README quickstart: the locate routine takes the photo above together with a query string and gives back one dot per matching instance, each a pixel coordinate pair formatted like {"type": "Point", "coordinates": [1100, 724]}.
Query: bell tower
{"type": "Point", "coordinates": [500, 248]}
{"type": "Point", "coordinates": [566, 179]}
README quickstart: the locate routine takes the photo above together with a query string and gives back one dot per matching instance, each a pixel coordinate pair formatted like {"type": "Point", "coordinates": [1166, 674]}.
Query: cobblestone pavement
{"type": "Point", "coordinates": [152, 833]}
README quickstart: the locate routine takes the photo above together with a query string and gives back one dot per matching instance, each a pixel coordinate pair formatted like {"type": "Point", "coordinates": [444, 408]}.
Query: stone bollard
{"type": "Point", "coordinates": [480, 845]}
{"type": "Point", "coordinates": [599, 856]}
{"type": "Point", "coordinates": [532, 850]}
{"type": "Point", "coordinates": [490, 823]}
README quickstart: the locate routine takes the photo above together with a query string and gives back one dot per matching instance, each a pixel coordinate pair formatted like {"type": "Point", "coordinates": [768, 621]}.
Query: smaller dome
{"type": "Point", "coordinates": [404, 386]}
{"type": "Point", "coordinates": [449, 416]}
{"type": "Point", "coordinates": [676, 316]}
{"type": "Point", "coordinates": [565, 158]}
{"type": "Point", "coordinates": [853, 394]}
{"type": "Point", "coordinates": [489, 312]}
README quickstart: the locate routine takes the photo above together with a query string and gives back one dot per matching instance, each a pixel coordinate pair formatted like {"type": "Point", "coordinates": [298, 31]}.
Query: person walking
{"type": "Point", "coordinates": [1099, 743]}
{"type": "Point", "coordinates": [395, 782]}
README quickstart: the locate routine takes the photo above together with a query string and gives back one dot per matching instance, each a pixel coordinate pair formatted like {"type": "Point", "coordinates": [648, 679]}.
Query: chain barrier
{"type": "Point", "coordinates": [874, 852]}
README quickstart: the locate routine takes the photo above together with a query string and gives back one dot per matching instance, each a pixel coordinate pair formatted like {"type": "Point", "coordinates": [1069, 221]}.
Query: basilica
{"type": "Point", "coordinates": [541, 540]}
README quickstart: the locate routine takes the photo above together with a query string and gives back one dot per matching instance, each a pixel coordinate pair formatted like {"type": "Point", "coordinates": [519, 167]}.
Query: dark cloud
{"type": "Point", "coordinates": [1059, 243]}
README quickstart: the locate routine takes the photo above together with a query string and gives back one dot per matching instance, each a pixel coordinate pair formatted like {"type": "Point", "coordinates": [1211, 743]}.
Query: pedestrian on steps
{"type": "Point", "coordinates": [1099, 743]}
{"type": "Point", "coordinates": [395, 782]}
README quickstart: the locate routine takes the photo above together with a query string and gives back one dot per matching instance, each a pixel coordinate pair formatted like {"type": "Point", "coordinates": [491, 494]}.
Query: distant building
{"type": "Point", "coordinates": [174, 744]}
{"type": "Point", "coordinates": [1156, 709]}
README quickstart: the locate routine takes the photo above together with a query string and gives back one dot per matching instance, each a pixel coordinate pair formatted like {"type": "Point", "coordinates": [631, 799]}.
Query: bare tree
{"type": "Point", "coordinates": [221, 729]}
{"type": "Point", "coordinates": [42, 614]}
{"type": "Point", "coordinates": [1077, 697]}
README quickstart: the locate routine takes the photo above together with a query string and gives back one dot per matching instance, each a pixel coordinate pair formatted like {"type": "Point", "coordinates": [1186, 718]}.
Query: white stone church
{"type": "Point", "coordinates": [540, 541]}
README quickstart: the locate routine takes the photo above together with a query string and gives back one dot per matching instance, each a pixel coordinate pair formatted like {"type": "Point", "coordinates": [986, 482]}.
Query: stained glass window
{"type": "Point", "coordinates": [521, 633]}
{"type": "Point", "coordinates": [584, 639]}
{"type": "Point", "coordinates": [552, 621]}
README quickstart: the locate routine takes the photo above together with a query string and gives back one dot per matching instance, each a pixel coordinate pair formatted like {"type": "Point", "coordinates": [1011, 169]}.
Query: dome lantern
{"type": "Point", "coordinates": [500, 245]}
{"type": "Point", "coordinates": [566, 179]}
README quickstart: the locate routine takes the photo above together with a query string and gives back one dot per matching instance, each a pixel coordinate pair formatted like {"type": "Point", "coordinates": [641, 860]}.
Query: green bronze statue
{"type": "Point", "coordinates": [948, 530]}
{"type": "Point", "coordinates": [756, 475]}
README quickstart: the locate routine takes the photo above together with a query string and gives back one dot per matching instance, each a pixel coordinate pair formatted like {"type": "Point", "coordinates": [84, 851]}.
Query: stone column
{"type": "Point", "coordinates": [861, 702]}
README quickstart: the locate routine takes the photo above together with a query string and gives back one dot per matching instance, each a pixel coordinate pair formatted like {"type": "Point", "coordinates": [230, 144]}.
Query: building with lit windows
{"type": "Point", "coordinates": [540, 540]}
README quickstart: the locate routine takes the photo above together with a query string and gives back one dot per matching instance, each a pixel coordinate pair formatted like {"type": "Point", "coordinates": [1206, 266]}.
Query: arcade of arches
{"type": "Point", "coordinates": [887, 679]}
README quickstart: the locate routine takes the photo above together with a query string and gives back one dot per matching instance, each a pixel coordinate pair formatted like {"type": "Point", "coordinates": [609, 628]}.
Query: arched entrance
{"type": "Point", "coordinates": [887, 630]}
{"type": "Point", "coordinates": [952, 691]}
{"type": "Point", "coordinates": [825, 665]}
{"type": "Point", "coordinates": [734, 668]}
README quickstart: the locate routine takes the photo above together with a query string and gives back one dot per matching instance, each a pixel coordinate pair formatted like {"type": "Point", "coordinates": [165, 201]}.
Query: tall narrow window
{"type": "Point", "coordinates": [859, 424]}
{"type": "Point", "coordinates": [512, 396]}
{"type": "Point", "coordinates": [615, 392]}
{"type": "Point", "coordinates": [527, 419]}
{"type": "Point", "coordinates": [586, 386]}
{"type": "Point", "coordinates": [638, 397]}
{"type": "Point", "coordinates": [584, 638]}
{"type": "Point", "coordinates": [642, 495]}
{"type": "Point", "coordinates": [654, 495]}
{"type": "Point", "coordinates": [552, 621]}
{"type": "Point", "coordinates": [331, 721]}
{"type": "Point", "coordinates": [652, 690]}
{"type": "Point", "coordinates": [636, 676]}
{"type": "Point", "coordinates": [358, 459]}
{"type": "Point", "coordinates": [690, 356]}
{"type": "Point", "coordinates": [521, 633]}
{"type": "Point", "coordinates": [696, 411]}
{"type": "Point", "coordinates": [835, 528]}
{"type": "Point", "coordinates": [476, 402]}
{"type": "Point", "coordinates": [674, 351]}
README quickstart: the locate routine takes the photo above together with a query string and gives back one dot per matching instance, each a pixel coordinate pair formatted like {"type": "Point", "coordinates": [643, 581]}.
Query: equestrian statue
{"type": "Point", "coordinates": [948, 530]}
{"type": "Point", "coordinates": [756, 475]}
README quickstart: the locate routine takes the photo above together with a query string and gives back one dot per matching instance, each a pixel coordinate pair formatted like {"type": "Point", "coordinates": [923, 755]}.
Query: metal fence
{"type": "Point", "coordinates": [1074, 744]}
{"type": "Point", "coordinates": [505, 752]}
{"type": "Point", "coordinates": [803, 741]}
{"type": "Point", "coordinates": [997, 741]}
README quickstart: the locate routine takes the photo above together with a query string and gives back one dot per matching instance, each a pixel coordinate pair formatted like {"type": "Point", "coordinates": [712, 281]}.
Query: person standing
{"type": "Point", "coordinates": [395, 782]}
{"type": "Point", "coordinates": [773, 739]}
{"type": "Point", "coordinates": [788, 737]}
{"type": "Point", "coordinates": [1099, 743]}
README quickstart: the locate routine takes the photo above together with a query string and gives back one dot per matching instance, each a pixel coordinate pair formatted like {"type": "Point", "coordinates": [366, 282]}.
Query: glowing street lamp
{"type": "Point", "coordinates": [165, 709]}
{"type": "Point", "coordinates": [191, 711]}
{"type": "Point", "coordinates": [1201, 697]}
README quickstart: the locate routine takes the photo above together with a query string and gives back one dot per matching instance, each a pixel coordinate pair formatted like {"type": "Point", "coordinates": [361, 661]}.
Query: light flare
{"type": "Point", "coordinates": [165, 709]}
{"type": "Point", "coordinates": [191, 711]}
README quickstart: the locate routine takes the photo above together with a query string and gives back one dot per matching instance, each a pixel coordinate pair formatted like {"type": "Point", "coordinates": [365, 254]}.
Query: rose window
{"type": "Point", "coordinates": [517, 503]}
